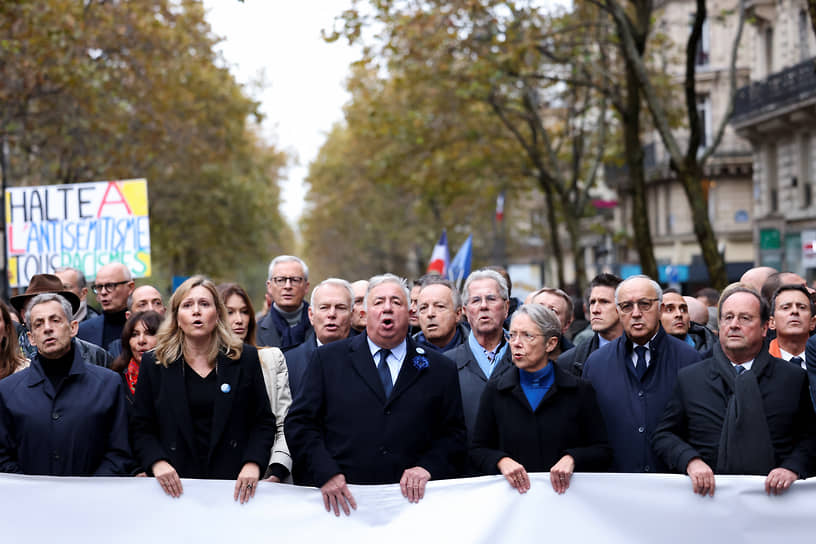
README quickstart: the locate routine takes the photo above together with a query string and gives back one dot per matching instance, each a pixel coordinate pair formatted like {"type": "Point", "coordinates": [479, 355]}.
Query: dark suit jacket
{"type": "Point", "coordinates": [297, 359]}
{"type": "Point", "coordinates": [810, 362]}
{"type": "Point", "coordinates": [267, 335]}
{"type": "Point", "coordinates": [92, 331]}
{"type": "Point", "coordinates": [567, 421]}
{"type": "Point", "coordinates": [243, 427]}
{"type": "Point", "coordinates": [574, 358]}
{"type": "Point", "coordinates": [472, 380]}
{"type": "Point", "coordinates": [341, 422]}
{"type": "Point", "coordinates": [693, 419]}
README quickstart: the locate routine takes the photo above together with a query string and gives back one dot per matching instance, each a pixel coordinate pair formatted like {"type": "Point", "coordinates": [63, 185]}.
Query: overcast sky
{"type": "Point", "coordinates": [305, 76]}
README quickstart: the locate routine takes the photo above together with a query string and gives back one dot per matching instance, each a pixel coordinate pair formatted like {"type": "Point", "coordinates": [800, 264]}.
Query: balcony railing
{"type": "Point", "coordinates": [780, 89]}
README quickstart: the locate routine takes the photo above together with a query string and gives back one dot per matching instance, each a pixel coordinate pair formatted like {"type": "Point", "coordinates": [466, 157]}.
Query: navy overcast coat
{"type": "Point", "coordinates": [632, 408]}
{"type": "Point", "coordinates": [79, 430]}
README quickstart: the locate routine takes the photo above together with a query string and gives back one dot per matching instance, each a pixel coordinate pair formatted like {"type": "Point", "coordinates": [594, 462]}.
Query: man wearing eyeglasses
{"type": "Point", "coordinates": [112, 286]}
{"type": "Point", "coordinates": [634, 375]}
{"type": "Point", "coordinates": [287, 322]}
{"type": "Point", "coordinates": [485, 352]}
{"type": "Point", "coordinates": [742, 410]}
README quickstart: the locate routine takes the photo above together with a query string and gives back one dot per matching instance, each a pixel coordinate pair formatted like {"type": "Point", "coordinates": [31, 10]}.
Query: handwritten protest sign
{"type": "Point", "coordinates": [84, 225]}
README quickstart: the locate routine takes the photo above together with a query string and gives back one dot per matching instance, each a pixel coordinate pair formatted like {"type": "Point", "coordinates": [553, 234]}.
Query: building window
{"type": "Point", "coordinates": [703, 55]}
{"type": "Point", "coordinates": [804, 36]}
{"type": "Point", "coordinates": [767, 50]}
{"type": "Point", "coordinates": [704, 116]}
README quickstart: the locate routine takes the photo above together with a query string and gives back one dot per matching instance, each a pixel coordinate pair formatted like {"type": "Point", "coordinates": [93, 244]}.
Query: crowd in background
{"type": "Point", "coordinates": [376, 381]}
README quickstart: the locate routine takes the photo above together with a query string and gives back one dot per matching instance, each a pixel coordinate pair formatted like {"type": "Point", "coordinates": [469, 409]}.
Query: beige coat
{"type": "Point", "coordinates": [276, 378]}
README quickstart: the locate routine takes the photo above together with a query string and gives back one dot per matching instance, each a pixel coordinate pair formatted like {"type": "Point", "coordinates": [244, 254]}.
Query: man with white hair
{"type": "Point", "coordinates": [377, 409]}
{"type": "Point", "coordinates": [634, 375]}
{"type": "Point", "coordinates": [485, 353]}
{"type": "Point", "coordinates": [287, 322]}
{"type": "Point", "coordinates": [330, 316]}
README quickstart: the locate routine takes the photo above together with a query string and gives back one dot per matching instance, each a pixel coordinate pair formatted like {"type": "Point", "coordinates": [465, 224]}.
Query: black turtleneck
{"type": "Point", "coordinates": [56, 370]}
{"type": "Point", "coordinates": [113, 323]}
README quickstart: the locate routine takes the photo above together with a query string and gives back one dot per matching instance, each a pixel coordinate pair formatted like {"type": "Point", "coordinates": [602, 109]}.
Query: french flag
{"type": "Point", "coordinates": [440, 259]}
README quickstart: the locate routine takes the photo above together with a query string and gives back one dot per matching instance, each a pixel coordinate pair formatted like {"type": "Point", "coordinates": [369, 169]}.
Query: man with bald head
{"type": "Point", "coordinates": [440, 308]}
{"type": "Point", "coordinates": [74, 280]}
{"type": "Point", "coordinates": [112, 286]}
{"type": "Point", "coordinates": [777, 280]}
{"type": "Point", "coordinates": [146, 298]}
{"type": "Point", "coordinates": [676, 319]}
{"type": "Point", "coordinates": [698, 312]}
{"type": "Point", "coordinates": [634, 375]}
{"type": "Point", "coordinates": [561, 304]}
{"type": "Point", "coordinates": [755, 277]}
{"type": "Point", "coordinates": [358, 320]}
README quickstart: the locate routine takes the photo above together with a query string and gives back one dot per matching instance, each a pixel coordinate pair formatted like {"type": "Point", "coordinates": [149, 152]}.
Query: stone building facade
{"type": "Point", "coordinates": [776, 113]}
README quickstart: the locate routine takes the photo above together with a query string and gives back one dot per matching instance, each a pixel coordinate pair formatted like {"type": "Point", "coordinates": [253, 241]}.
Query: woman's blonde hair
{"type": "Point", "coordinates": [170, 344]}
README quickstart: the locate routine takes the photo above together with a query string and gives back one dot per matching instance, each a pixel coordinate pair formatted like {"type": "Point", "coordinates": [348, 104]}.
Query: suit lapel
{"type": "Point", "coordinates": [228, 376]}
{"type": "Point", "coordinates": [177, 394]}
{"type": "Point", "coordinates": [408, 373]}
{"type": "Point", "coordinates": [364, 365]}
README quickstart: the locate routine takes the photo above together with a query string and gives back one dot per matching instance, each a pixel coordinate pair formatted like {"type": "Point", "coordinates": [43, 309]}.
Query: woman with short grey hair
{"type": "Point", "coordinates": [537, 417]}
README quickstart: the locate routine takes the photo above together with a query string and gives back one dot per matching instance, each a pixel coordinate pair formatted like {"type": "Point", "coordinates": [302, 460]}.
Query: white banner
{"type": "Point", "coordinates": [603, 508]}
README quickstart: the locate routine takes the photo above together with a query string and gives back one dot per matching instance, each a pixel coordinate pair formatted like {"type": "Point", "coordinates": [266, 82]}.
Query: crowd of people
{"type": "Point", "coordinates": [376, 382]}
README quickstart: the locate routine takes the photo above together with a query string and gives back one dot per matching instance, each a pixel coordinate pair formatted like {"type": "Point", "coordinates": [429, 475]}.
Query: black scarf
{"type": "Point", "coordinates": [295, 335]}
{"type": "Point", "coordinates": [745, 441]}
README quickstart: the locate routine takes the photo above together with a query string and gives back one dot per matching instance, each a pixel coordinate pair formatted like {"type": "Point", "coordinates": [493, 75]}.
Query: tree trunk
{"type": "Point", "coordinates": [552, 220]}
{"type": "Point", "coordinates": [572, 223]}
{"type": "Point", "coordinates": [691, 180]}
{"type": "Point", "coordinates": [637, 177]}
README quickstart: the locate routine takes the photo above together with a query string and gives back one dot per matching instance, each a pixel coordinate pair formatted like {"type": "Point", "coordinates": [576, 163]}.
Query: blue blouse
{"type": "Point", "coordinates": [536, 384]}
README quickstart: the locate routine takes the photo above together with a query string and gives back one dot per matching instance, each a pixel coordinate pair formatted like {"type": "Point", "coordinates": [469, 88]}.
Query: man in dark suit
{"type": "Point", "coordinates": [375, 409]}
{"type": "Point", "coordinates": [634, 375]}
{"type": "Point", "coordinates": [741, 411]}
{"type": "Point", "coordinates": [286, 324]}
{"type": "Point", "coordinates": [112, 286]}
{"type": "Point", "coordinates": [330, 316]}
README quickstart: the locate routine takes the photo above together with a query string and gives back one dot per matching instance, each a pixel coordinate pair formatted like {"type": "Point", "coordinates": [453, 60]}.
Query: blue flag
{"type": "Point", "coordinates": [460, 265]}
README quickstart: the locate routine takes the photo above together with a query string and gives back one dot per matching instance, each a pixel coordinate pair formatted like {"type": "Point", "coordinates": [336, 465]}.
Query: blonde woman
{"type": "Point", "coordinates": [201, 409]}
